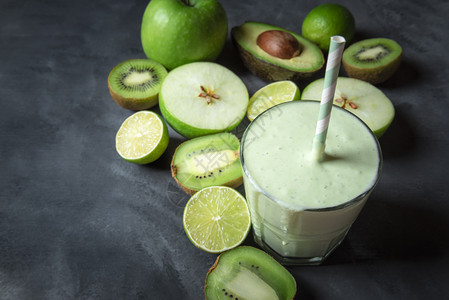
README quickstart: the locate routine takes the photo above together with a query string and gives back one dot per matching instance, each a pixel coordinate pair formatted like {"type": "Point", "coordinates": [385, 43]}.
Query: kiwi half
{"type": "Point", "coordinates": [209, 160]}
{"type": "Point", "coordinates": [248, 273]}
{"type": "Point", "coordinates": [372, 60]}
{"type": "Point", "coordinates": [135, 84]}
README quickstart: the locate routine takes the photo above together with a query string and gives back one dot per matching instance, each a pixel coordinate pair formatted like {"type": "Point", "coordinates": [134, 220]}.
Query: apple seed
{"type": "Point", "coordinates": [343, 99]}
{"type": "Point", "coordinates": [208, 94]}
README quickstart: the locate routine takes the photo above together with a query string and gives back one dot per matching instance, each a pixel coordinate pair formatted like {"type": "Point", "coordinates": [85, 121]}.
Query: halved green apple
{"type": "Point", "coordinates": [202, 98]}
{"type": "Point", "coordinates": [360, 98]}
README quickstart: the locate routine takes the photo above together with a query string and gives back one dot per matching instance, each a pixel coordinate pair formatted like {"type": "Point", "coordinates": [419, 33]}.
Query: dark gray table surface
{"type": "Point", "coordinates": [78, 222]}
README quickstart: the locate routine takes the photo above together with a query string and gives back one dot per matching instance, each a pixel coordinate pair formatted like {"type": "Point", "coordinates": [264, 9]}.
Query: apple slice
{"type": "Point", "coordinates": [202, 98]}
{"type": "Point", "coordinates": [360, 98]}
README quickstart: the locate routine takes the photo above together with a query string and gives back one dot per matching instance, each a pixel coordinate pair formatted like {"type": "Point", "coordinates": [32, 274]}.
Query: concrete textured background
{"type": "Point", "coordinates": [77, 222]}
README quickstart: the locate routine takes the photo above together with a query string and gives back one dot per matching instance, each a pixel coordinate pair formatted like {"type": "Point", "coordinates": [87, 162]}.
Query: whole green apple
{"type": "Point", "coordinates": [177, 32]}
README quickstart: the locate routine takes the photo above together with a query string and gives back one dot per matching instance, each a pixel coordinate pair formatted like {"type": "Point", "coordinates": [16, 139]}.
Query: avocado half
{"type": "Point", "coordinates": [269, 67]}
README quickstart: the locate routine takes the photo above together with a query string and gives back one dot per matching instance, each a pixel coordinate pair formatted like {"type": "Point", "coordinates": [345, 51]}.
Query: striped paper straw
{"type": "Point", "coordinates": [337, 44]}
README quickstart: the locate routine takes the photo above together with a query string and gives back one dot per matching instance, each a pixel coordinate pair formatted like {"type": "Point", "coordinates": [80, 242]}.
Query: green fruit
{"type": "Point", "coordinates": [273, 53]}
{"type": "Point", "coordinates": [177, 32]}
{"type": "Point", "coordinates": [360, 98]}
{"type": "Point", "coordinates": [271, 95]}
{"type": "Point", "coordinates": [202, 98]}
{"type": "Point", "coordinates": [205, 161]}
{"type": "Point", "coordinates": [372, 60]}
{"type": "Point", "coordinates": [134, 84]}
{"type": "Point", "coordinates": [327, 20]}
{"type": "Point", "coordinates": [216, 219]}
{"type": "Point", "coordinates": [142, 137]}
{"type": "Point", "coordinates": [248, 273]}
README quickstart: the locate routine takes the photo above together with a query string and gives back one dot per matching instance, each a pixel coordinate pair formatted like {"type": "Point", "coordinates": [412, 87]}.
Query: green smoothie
{"type": "Point", "coordinates": [302, 208]}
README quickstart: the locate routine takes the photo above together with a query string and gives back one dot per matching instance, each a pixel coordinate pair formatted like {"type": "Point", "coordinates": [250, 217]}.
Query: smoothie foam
{"type": "Point", "coordinates": [279, 158]}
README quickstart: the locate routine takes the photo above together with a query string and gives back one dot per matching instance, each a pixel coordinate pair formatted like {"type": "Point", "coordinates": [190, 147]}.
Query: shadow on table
{"type": "Point", "coordinates": [405, 75]}
{"type": "Point", "coordinates": [388, 228]}
{"type": "Point", "coordinates": [399, 139]}
{"type": "Point", "coordinates": [389, 231]}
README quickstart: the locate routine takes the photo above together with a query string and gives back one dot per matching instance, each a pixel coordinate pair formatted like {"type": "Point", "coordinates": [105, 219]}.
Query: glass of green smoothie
{"type": "Point", "coordinates": [302, 208]}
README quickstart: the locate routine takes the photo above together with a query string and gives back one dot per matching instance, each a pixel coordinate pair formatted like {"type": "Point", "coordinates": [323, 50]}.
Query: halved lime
{"type": "Point", "coordinates": [270, 95]}
{"type": "Point", "coordinates": [142, 137]}
{"type": "Point", "coordinates": [216, 219]}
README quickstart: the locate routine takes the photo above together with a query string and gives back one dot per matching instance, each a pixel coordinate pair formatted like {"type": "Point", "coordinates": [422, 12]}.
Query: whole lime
{"type": "Point", "coordinates": [327, 20]}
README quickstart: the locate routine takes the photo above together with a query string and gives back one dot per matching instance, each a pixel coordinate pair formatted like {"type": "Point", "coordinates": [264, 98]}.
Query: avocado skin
{"type": "Point", "coordinates": [271, 72]}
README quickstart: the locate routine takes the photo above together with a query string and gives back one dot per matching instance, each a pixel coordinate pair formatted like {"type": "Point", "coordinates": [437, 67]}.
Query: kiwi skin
{"type": "Point", "coordinates": [133, 103]}
{"type": "Point", "coordinates": [373, 75]}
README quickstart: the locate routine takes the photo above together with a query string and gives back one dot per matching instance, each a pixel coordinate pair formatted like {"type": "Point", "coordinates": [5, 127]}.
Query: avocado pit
{"type": "Point", "coordinates": [279, 43]}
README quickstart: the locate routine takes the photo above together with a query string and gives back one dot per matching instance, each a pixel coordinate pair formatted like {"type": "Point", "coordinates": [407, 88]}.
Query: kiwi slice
{"type": "Point", "coordinates": [372, 60]}
{"type": "Point", "coordinates": [135, 84]}
{"type": "Point", "coordinates": [248, 273]}
{"type": "Point", "coordinates": [209, 160]}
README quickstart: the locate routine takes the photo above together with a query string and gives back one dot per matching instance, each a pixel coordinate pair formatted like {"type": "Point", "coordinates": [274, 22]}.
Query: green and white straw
{"type": "Point", "coordinates": [337, 44]}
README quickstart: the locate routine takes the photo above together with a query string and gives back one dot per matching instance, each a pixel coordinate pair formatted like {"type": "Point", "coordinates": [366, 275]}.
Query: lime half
{"type": "Point", "coordinates": [217, 219]}
{"type": "Point", "coordinates": [271, 95]}
{"type": "Point", "coordinates": [142, 138]}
